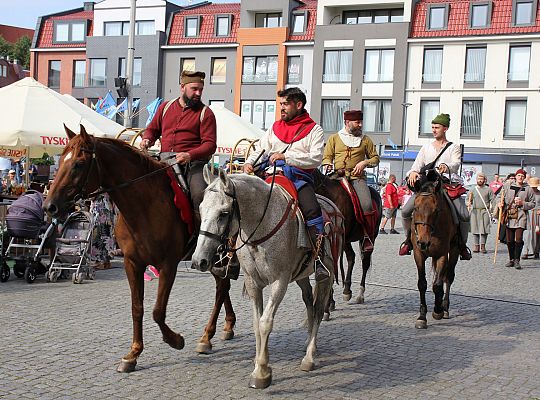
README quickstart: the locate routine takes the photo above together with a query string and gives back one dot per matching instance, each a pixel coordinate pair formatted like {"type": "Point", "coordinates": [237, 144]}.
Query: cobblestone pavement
{"type": "Point", "coordinates": [64, 341]}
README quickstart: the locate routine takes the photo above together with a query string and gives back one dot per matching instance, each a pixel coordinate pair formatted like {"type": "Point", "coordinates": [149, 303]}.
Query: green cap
{"type": "Point", "coordinates": [442, 119]}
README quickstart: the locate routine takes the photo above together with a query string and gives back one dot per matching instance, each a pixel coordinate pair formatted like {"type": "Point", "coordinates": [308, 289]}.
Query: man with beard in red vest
{"type": "Point", "coordinates": [294, 145]}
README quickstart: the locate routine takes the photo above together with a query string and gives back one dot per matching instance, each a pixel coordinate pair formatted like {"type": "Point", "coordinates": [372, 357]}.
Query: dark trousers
{"type": "Point", "coordinates": [196, 183]}
{"type": "Point", "coordinates": [307, 201]}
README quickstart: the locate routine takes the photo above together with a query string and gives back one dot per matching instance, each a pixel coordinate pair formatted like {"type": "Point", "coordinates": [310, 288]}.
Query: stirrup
{"type": "Point", "coordinates": [367, 244]}
{"type": "Point", "coordinates": [465, 254]}
{"type": "Point", "coordinates": [405, 248]}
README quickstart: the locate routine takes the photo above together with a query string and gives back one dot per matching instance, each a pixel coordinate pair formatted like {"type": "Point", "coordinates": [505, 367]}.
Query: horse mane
{"type": "Point", "coordinates": [141, 158]}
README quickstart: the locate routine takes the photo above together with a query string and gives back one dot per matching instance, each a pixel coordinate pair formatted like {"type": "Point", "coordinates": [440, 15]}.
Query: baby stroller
{"type": "Point", "coordinates": [72, 247]}
{"type": "Point", "coordinates": [30, 236]}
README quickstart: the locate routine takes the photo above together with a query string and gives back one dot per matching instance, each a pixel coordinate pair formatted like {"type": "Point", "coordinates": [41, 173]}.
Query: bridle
{"type": "Point", "coordinates": [424, 223]}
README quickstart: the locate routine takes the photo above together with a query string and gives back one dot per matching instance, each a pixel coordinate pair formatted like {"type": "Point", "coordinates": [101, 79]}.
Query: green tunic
{"type": "Point", "coordinates": [339, 155]}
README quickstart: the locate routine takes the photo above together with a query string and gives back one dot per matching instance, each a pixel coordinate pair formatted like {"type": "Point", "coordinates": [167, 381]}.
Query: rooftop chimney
{"type": "Point", "coordinates": [88, 6]}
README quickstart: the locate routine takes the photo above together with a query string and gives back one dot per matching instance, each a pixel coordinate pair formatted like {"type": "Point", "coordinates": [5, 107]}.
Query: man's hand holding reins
{"type": "Point", "coordinates": [183, 158]}
{"type": "Point", "coordinates": [248, 168]}
{"type": "Point", "coordinates": [443, 169]}
{"type": "Point", "coordinates": [358, 168]}
{"type": "Point", "coordinates": [276, 156]}
{"type": "Point", "coordinates": [145, 144]}
{"type": "Point", "coordinates": [412, 178]}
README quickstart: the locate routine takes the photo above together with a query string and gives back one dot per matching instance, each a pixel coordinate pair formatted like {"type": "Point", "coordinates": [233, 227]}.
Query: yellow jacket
{"type": "Point", "coordinates": [339, 155]}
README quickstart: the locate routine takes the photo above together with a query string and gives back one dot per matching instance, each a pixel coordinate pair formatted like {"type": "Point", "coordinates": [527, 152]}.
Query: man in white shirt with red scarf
{"type": "Point", "coordinates": [295, 145]}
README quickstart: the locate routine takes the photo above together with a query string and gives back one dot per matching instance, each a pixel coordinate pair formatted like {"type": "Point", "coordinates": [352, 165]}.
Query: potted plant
{"type": "Point", "coordinates": [43, 165]}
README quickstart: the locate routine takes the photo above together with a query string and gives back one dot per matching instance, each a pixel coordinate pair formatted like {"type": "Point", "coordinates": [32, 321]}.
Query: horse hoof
{"type": "Point", "coordinates": [177, 342]}
{"type": "Point", "coordinates": [437, 315]}
{"type": "Point", "coordinates": [126, 366]}
{"type": "Point", "coordinates": [446, 315]}
{"type": "Point", "coordinates": [359, 300]}
{"type": "Point", "coordinates": [227, 335]}
{"type": "Point", "coordinates": [347, 297]}
{"type": "Point", "coordinates": [326, 316]}
{"type": "Point", "coordinates": [307, 365]}
{"type": "Point", "coordinates": [261, 383]}
{"type": "Point", "coordinates": [332, 306]}
{"type": "Point", "coordinates": [204, 348]}
{"type": "Point", "coordinates": [420, 324]}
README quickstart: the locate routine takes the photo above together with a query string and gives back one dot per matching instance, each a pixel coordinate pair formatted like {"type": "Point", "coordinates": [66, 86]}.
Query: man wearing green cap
{"type": "Point", "coordinates": [446, 158]}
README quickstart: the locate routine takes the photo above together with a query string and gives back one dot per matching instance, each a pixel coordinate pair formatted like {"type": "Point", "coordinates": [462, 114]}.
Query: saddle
{"type": "Point", "coordinates": [369, 221]}
{"type": "Point", "coordinates": [182, 202]}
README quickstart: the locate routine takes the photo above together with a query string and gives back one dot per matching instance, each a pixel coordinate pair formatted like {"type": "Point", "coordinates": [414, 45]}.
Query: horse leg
{"type": "Point", "coordinates": [205, 346]}
{"type": "Point", "coordinates": [421, 322]}
{"type": "Point", "coordinates": [136, 286]}
{"type": "Point", "coordinates": [439, 266]}
{"type": "Point", "coordinates": [261, 377]}
{"type": "Point", "coordinates": [330, 305]}
{"type": "Point", "coordinates": [366, 263]}
{"type": "Point", "coordinates": [449, 279]}
{"type": "Point", "coordinates": [349, 252]}
{"type": "Point", "coordinates": [322, 291]}
{"type": "Point", "coordinates": [307, 297]}
{"type": "Point", "coordinates": [167, 275]}
{"type": "Point", "coordinates": [230, 316]}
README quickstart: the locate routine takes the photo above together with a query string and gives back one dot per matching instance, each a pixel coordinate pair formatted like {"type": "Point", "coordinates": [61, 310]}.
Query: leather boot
{"type": "Point", "coordinates": [406, 247]}
{"type": "Point", "coordinates": [483, 249]}
{"type": "Point", "coordinates": [517, 254]}
{"type": "Point", "coordinates": [321, 272]}
{"type": "Point", "coordinates": [476, 248]}
{"type": "Point", "coordinates": [511, 247]}
{"type": "Point", "coordinates": [464, 251]}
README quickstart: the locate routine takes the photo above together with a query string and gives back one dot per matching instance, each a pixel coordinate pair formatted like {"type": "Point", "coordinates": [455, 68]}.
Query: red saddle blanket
{"type": "Point", "coordinates": [368, 221]}
{"type": "Point", "coordinates": [182, 202]}
{"type": "Point", "coordinates": [285, 183]}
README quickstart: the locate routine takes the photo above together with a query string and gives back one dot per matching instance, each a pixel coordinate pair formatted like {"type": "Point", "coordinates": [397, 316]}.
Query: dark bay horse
{"type": "Point", "coordinates": [354, 232]}
{"type": "Point", "coordinates": [149, 229]}
{"type": "Point", "coordinates": [434, 235]}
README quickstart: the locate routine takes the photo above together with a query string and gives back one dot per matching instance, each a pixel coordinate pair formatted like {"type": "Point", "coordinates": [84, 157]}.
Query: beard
{"type": "Point", "coordinates": [191, 102]}
{"type": "Point", "coordinates": [355, 131]}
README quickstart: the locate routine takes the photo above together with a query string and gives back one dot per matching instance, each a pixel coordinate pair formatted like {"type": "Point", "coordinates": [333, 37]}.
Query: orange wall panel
{"type": "Point", "coordinates": [40, 67]}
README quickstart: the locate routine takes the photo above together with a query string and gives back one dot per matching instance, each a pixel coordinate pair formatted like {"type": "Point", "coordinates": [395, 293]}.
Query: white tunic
{"type": "Point", "coordinates": [306, 153]}
{"type": "Point", "coordinates": [428, 153]}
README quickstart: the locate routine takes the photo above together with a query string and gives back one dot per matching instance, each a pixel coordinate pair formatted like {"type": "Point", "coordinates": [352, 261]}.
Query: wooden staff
{"type": "Point", "coordinates": [501, 205]}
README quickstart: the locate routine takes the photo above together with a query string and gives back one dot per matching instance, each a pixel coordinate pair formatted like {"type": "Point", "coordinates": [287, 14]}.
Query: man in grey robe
{"type": "Point", "coordinates": [479, 202]}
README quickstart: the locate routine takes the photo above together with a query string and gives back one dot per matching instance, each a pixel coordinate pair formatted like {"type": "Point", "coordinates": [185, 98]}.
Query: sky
{"type": "Point", "coordinates": [24, 13]}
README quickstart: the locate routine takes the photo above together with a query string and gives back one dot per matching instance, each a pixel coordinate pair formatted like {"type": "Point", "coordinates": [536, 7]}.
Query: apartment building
{"type": "Point", "coordinates": [478, 61]}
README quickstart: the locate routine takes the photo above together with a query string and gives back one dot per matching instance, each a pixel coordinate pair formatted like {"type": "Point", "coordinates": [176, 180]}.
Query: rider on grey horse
{"type": "Point", "coordinates": [446, 157]}
{"type": "Point", "coordinates": [295, 145]}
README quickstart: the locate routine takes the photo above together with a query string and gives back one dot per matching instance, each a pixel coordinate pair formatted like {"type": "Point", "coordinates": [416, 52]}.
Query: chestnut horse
{"type": "Point", "coordinates": [354, 232]}
{"type": "Point", "coordinates": [149, 229]}
{"type": "Point", "coordinates": [434, 235]}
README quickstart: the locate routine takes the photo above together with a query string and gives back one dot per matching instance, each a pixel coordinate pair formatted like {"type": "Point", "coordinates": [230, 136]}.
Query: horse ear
{"type": "Point", "coordinates": [69, 132]}
{"type": "Point", "coordinates": [226, 181]}
{"type": "Point", "coordinates": [84, 134]}
{"type": "Point", "coordinates": [207, 174]}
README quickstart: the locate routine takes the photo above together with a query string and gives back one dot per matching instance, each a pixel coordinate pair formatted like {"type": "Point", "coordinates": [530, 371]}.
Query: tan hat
{"type": "Point", "coordinates": [534, 181]}
{"type": "Point", "coordinates": [192, 77]}
{"type": "Point", "coordinates": [12, 171]}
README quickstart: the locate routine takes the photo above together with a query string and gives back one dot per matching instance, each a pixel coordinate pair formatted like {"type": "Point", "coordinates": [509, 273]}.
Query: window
{"type": "Point", "coordinates": [524, 12]}
{"type": "Point", "coordinates": [137, 70]}
{"type": "Point", "coordinates": [3, 70]}
{"type": "Point", "coordinates": [268, 20]}
{"type": "Point", "coordinates": [218, 103]}
{"type": "Point", "coordinates": [432, 65]}
{"type": "Point", "coordinates": [429, 109]}
{"type": "Point", "coordinates": [69, 31]}
{"type": "Point", "coordinates": [337, 66]}
{"type": "Point", "coordinates": [145, 28]}
{"type": "Point", "coordinates": [437, 17]}
{"type": "Point", "coordinates": [261, 113]}
{"type": "Point", "coordinates": [54, 74]}
{"type": "Point", "coordinates": [376, 115]}
{"type": "Point", "coordinates": [192, 27]}
{"type": "Point", "coordinates": [372, 16]}
{"type": "Point", "coordinates": [379, 66]}
{"type": "Point", "coordinates": [260, 69]}
{"type": "Point", "coordinates": [121, 28]}
{"type": "Point", "coordinates": [187, 64]}
{"type": "Point", "coordinates": [223, 25]}
{"type": "Point", "coordinates": [518, 64]}
{"type": "Point", "coordinates": [471, 118]}
{"type": "Point", "coordinates": [294, 69]}
{"type": "Point", "coordinates": [475, 64]}
{"type": "Point", "coordinates": [514, 118]}
{"type": "Point", "coordinates": [98, 75]}
{"type": "Point", "coordinates": [299, 23]}
{"type": "Point", "coordinates": [219, 70]}
{"type": "Point", "coordinates": [480, 15]}
{"type": "Point", "coordinates": [79, 72]}
{"type": "Point", "coordinates": [332, 114]}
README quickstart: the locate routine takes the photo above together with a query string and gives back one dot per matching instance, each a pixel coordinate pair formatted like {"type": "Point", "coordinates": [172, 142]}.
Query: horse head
{"type": "Point", "coordinates": [76, 176]}
{"type": "Point", "coordinates": [426, 213]}
{"type": "Point", "coordinates": [218, 223]}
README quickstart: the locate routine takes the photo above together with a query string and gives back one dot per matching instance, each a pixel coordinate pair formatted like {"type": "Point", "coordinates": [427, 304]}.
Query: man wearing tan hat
{"type": "Point", "coordinates": [532, 243]}
{"type": "Point", "coordinates": [187, 129]}
{"type": "Point", "coordinates": [480, 201]}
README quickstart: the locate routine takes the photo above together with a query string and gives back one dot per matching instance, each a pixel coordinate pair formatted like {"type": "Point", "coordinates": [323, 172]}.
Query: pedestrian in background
{"type": "Point", "coordinates": [496, 184]}
{"type": "Point", "coordinates": [532, 241]}
{"type": "Point", "coordinates": [390, 199]}
{"type": "Point", "coordinates": [479, 202]}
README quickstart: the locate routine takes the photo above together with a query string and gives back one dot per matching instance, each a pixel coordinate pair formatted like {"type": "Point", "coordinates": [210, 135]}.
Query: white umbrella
{"type": "Point", "coordinates": [230, 129]}
{"type": "Point", "coordinates": [33, 116]}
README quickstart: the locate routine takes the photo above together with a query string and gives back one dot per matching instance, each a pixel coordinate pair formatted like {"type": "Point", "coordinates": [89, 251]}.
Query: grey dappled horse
{"type": "Point", "coordinates": [237, 203]}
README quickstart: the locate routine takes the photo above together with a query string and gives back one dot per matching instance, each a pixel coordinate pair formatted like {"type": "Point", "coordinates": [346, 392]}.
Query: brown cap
{"type": "Point", "coordinates": [192, 77]}
{"type": "Point", "coordinates": [353, 115]}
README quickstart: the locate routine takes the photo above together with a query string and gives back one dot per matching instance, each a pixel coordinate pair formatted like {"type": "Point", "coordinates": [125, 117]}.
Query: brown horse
{"type": "Point", "coordinates": [434, 235]}
{"type": "Point", "coordinates": [354, 231]}
{"type": "Point", "coordinates": [149, 229]}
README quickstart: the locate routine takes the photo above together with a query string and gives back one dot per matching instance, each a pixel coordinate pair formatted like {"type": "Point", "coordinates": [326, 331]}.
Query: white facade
{"type": "Point", "coordinates": [306, 52]}
{"type": "Point", "coordinates": [494, 92]}
{"type": "Point", "coordinates": [330, 11]}
{"type": "Point", "coordinates": [119, 11]}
